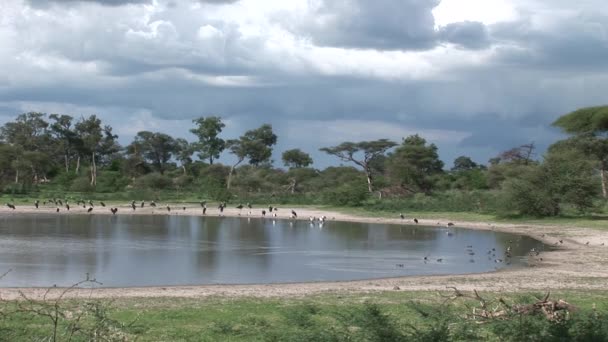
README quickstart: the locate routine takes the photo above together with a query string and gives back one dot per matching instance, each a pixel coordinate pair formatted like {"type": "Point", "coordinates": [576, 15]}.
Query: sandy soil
{"type": "Point", "coordinates": [580, 262]}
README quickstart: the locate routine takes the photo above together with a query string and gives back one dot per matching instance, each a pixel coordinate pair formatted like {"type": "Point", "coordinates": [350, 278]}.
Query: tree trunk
{"type": "Point", "coordinates": [184, 168]}
{"type": "Point", "coordinates": [370, 187]}
{"type": "Point", "coordinates": [604, 181]}
{"type": "Point", "coordinates": [78, 165]}
{"type": "Point", "coordinates": [210, 160]}
{"type": "Point", "coordinates": [67, 163]}
{"type": "Point", "coordinates": [230, 174]}
{"type": "Point", "coordinates": [294, 185]}
{"type": "Point", "coordinates": [93, 170]}
{"type": "Point", "coordinates": [230, 177]}
{"type": "Point", "coordinates": [17, 176]}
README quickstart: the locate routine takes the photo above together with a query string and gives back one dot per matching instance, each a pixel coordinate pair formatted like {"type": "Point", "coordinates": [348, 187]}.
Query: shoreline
{"type": "Point", "coordinates": [573, 265]}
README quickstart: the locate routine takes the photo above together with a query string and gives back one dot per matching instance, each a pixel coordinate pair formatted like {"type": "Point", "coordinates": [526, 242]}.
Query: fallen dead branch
{"type": "Point", "coordinates": [553, 310]}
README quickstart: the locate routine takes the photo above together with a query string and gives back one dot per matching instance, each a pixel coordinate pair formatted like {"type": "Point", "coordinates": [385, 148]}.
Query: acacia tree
{"type": "Point", "coordinates": [347, 151]}
{"type": "Point", "coordinates": [183, 152]}
{"type": "Point", "coordinates": [238, 148]}
{"type": "Point", "coordinates": [209, 145]}
{"type": "Point", "coordinates": [590, 129]}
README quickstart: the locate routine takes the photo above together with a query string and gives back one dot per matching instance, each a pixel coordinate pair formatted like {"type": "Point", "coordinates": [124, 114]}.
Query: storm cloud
{"type": "Point", "coordinates": [320, 71]}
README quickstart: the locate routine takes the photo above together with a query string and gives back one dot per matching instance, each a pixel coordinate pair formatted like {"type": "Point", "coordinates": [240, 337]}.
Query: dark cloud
{"type": "Point", "coordinates": [380, 24]}
{"type": "Point", "coordinates": [467, 34]}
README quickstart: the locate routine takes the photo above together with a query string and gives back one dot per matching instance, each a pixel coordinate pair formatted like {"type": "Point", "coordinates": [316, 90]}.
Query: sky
{"type": "Point", "coordinates": [475, 77]}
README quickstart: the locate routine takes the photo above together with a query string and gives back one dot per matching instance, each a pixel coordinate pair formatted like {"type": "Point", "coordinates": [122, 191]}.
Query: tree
{"type": "Point", "coordinates": [209, 145]}
{"type": "Point", "coordinates": [184, 152]}
{"type": "Point", "coordinates": [238, 148]}
{"type": "Point", "coordinates": [590, 127]}
{"type": "Point", "coordinates": [258, 143]}
{"type": "Point", "coordinates": [295, 158]}
{"type": "Point", "coordinates": [414, 164]}
{"type": "Point", "coordinates": [28, 131]}
{"type": "Point", "coordinates": [157, 148]}
{"type": "Point", "coordinates": [64, 134]}
{"type": "Point", "coordinates": [464, 163]}
{"type": "Point", "coordinates": [255, 144]}
{"type": "Point", "coordinates": [370, 149]}
{"type": "Point", "coordinates": [91, 134]}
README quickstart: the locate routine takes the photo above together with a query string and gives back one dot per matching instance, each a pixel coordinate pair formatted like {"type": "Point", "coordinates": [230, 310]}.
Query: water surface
{"type": "Point", "coordinates": [47, 250]}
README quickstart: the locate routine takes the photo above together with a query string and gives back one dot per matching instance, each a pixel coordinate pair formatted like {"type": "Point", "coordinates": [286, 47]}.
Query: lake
{"type": "Point", "coordinates": [138, 250]}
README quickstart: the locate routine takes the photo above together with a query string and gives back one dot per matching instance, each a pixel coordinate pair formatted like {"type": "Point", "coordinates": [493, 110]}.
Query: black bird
{"type": "Point", "coordinates": [57, 209]}
{"type": "Point", "coordinates": [102, 204]}
{"type": "Point", "coordinates": [90, 209]}
{"type": "Point", "coordinates": [249, 205]}
{"type": "Point", "coordinates": [91, 203]}
{"type": "Point", "coordinates": [293, 214]}
{"type": "Point", "coordinates": [10, 206]}
{"type": "Point", "coordinates": [133, 205]}
{"type": "Point", "coordinates": [240, 208]}
{"type": "Point", "coordinates": [153, 204]}
{"type": "Point", "coordinates": [221, 207]}
{"type": "Point", "coordinates": [264, 213]}
{"type": "Point", "coordinates": [113, 210]}
{"type": "Point", "coordinates": [184, 208]}
{"type": "Point", "coordinates": [36, 204]}
{"type": "Point", "coordinates": [203, 204]}
{"type": "Point", "coordinates": [168, 208]}
{"type": "Point", "coordinates": [60, 203]}
{"type": "Point", "coordinates": [143, 203]}
{"type": "Point", "coordinates": [450, 224]}
{"type": "Point", "coordinates": [67, 206]}
{"type": "Point", "coordinates": [204, 210]}
{"type": "Point", "coordinates": [401, 215]}
{"type": "Point", "coordinates": [270, 209]}
{"type": "Point", "coordinates": [416, 220]}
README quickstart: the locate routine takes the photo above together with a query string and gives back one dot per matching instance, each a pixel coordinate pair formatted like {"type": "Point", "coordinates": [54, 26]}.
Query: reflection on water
{"type": "Point", "coordinates": [178, 250]}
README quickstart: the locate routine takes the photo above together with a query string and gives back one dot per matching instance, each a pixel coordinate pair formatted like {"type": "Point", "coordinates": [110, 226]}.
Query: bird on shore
{"type": "Point", "coordinates": [269, 208]}
{"type": "Point", "coordinates": [102, 204]}
{"type": "Point", "coordinates": [203, 204]}
{"type": "Point", "coordinates": [402, 216]}
{"type": "Point", "coordinates": [36, 204]}
{"type": "Point", "coordinates": [263, 213]}
{"type": "Point", "coordinates": [240, 208]}
{"type": "Point", "coordinates": [153, 204]}
{"type": "Point", "coordinates": [90, 203]}
{"type": "Point", "coordinates": [450, 224]}
{"type": "Point", "coordinates": [133, 205]}
{"type": "Point", "coordinates": [293, 214]}
{"type": "Point", "coordinates": [168, 208]}
{"type": "Point", "coordinates": [10, 205]}
{"type": "Point", "coordinates": [184, 208]}
{"type": "Point", "coordinates": [90, 209]}
{"type": "Point", "coordinates": [249, 206]}
{"type": "Point", "coordinates": [205, 211]}
{"type": "Point", "coordinates": [415, 220]}
{"type": "Point", "coordinates": [113, 210]}
{"type": "Point", "coordinates": [60, 203]}
{"type": "Point", "coordinates": [57, 209]}
{"type": "Point", "coordinates": [143, 203]}
{"type": "Point", "coordinates": [67, 206]}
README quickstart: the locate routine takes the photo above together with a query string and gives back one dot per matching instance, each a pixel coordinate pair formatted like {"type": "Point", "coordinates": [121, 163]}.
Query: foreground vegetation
{"type": "Point", "coordinates": [388, 316]}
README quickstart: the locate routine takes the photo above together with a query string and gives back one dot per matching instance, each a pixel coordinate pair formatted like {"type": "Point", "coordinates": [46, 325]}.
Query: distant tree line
{"type": "Point", "coordinates": [62, 154]}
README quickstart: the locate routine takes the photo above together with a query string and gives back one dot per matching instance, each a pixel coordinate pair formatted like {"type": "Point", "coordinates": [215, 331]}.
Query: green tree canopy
{"type": "Point", "coordinates": [464, 163]}
{"type": "Point", "coordinates": [590, 129]}
{"type": "Point", "coordinates": [347, 151]}
{"type": "Point", "coordinates": [157, 148]}
{"type": "Point", "coordinates": [414, 164]}
{"type": "Point", "coordinates": [296, 158]}
{"type": "Point", "coordinates": [209, 145]}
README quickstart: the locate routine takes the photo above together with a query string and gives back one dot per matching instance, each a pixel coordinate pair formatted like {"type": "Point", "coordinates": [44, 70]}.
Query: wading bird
{"type": "Point", "coordinates": [293, 214]}
{"type": "Point", "coordinates": [36, 204]}
{"type": "Point", "coordinates": [90, 209]}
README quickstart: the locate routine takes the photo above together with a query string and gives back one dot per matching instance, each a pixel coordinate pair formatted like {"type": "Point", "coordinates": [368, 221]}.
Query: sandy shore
{"type": "Point", "coordinates": [580, 262]}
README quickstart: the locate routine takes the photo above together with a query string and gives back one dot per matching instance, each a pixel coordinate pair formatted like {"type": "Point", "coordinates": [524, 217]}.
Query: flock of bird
{"type": "Point", "coordinates": [134, 205]}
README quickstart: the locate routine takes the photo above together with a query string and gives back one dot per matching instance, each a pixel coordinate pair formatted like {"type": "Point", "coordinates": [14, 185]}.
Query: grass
{"type": "Point", "coordinates": [356, 317]}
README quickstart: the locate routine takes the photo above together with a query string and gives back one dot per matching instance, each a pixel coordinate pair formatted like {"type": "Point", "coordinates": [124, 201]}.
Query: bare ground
{"type": "Point", "coordinates": [580, 262]}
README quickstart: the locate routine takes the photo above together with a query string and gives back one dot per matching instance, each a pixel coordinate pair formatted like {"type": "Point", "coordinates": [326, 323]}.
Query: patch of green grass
{"type": "Point", "coordinates": [383, 316]}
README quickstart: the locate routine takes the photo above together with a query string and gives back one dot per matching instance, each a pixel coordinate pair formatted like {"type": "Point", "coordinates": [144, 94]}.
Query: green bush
{"type": "Point", "coordinates": [350, 195]}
